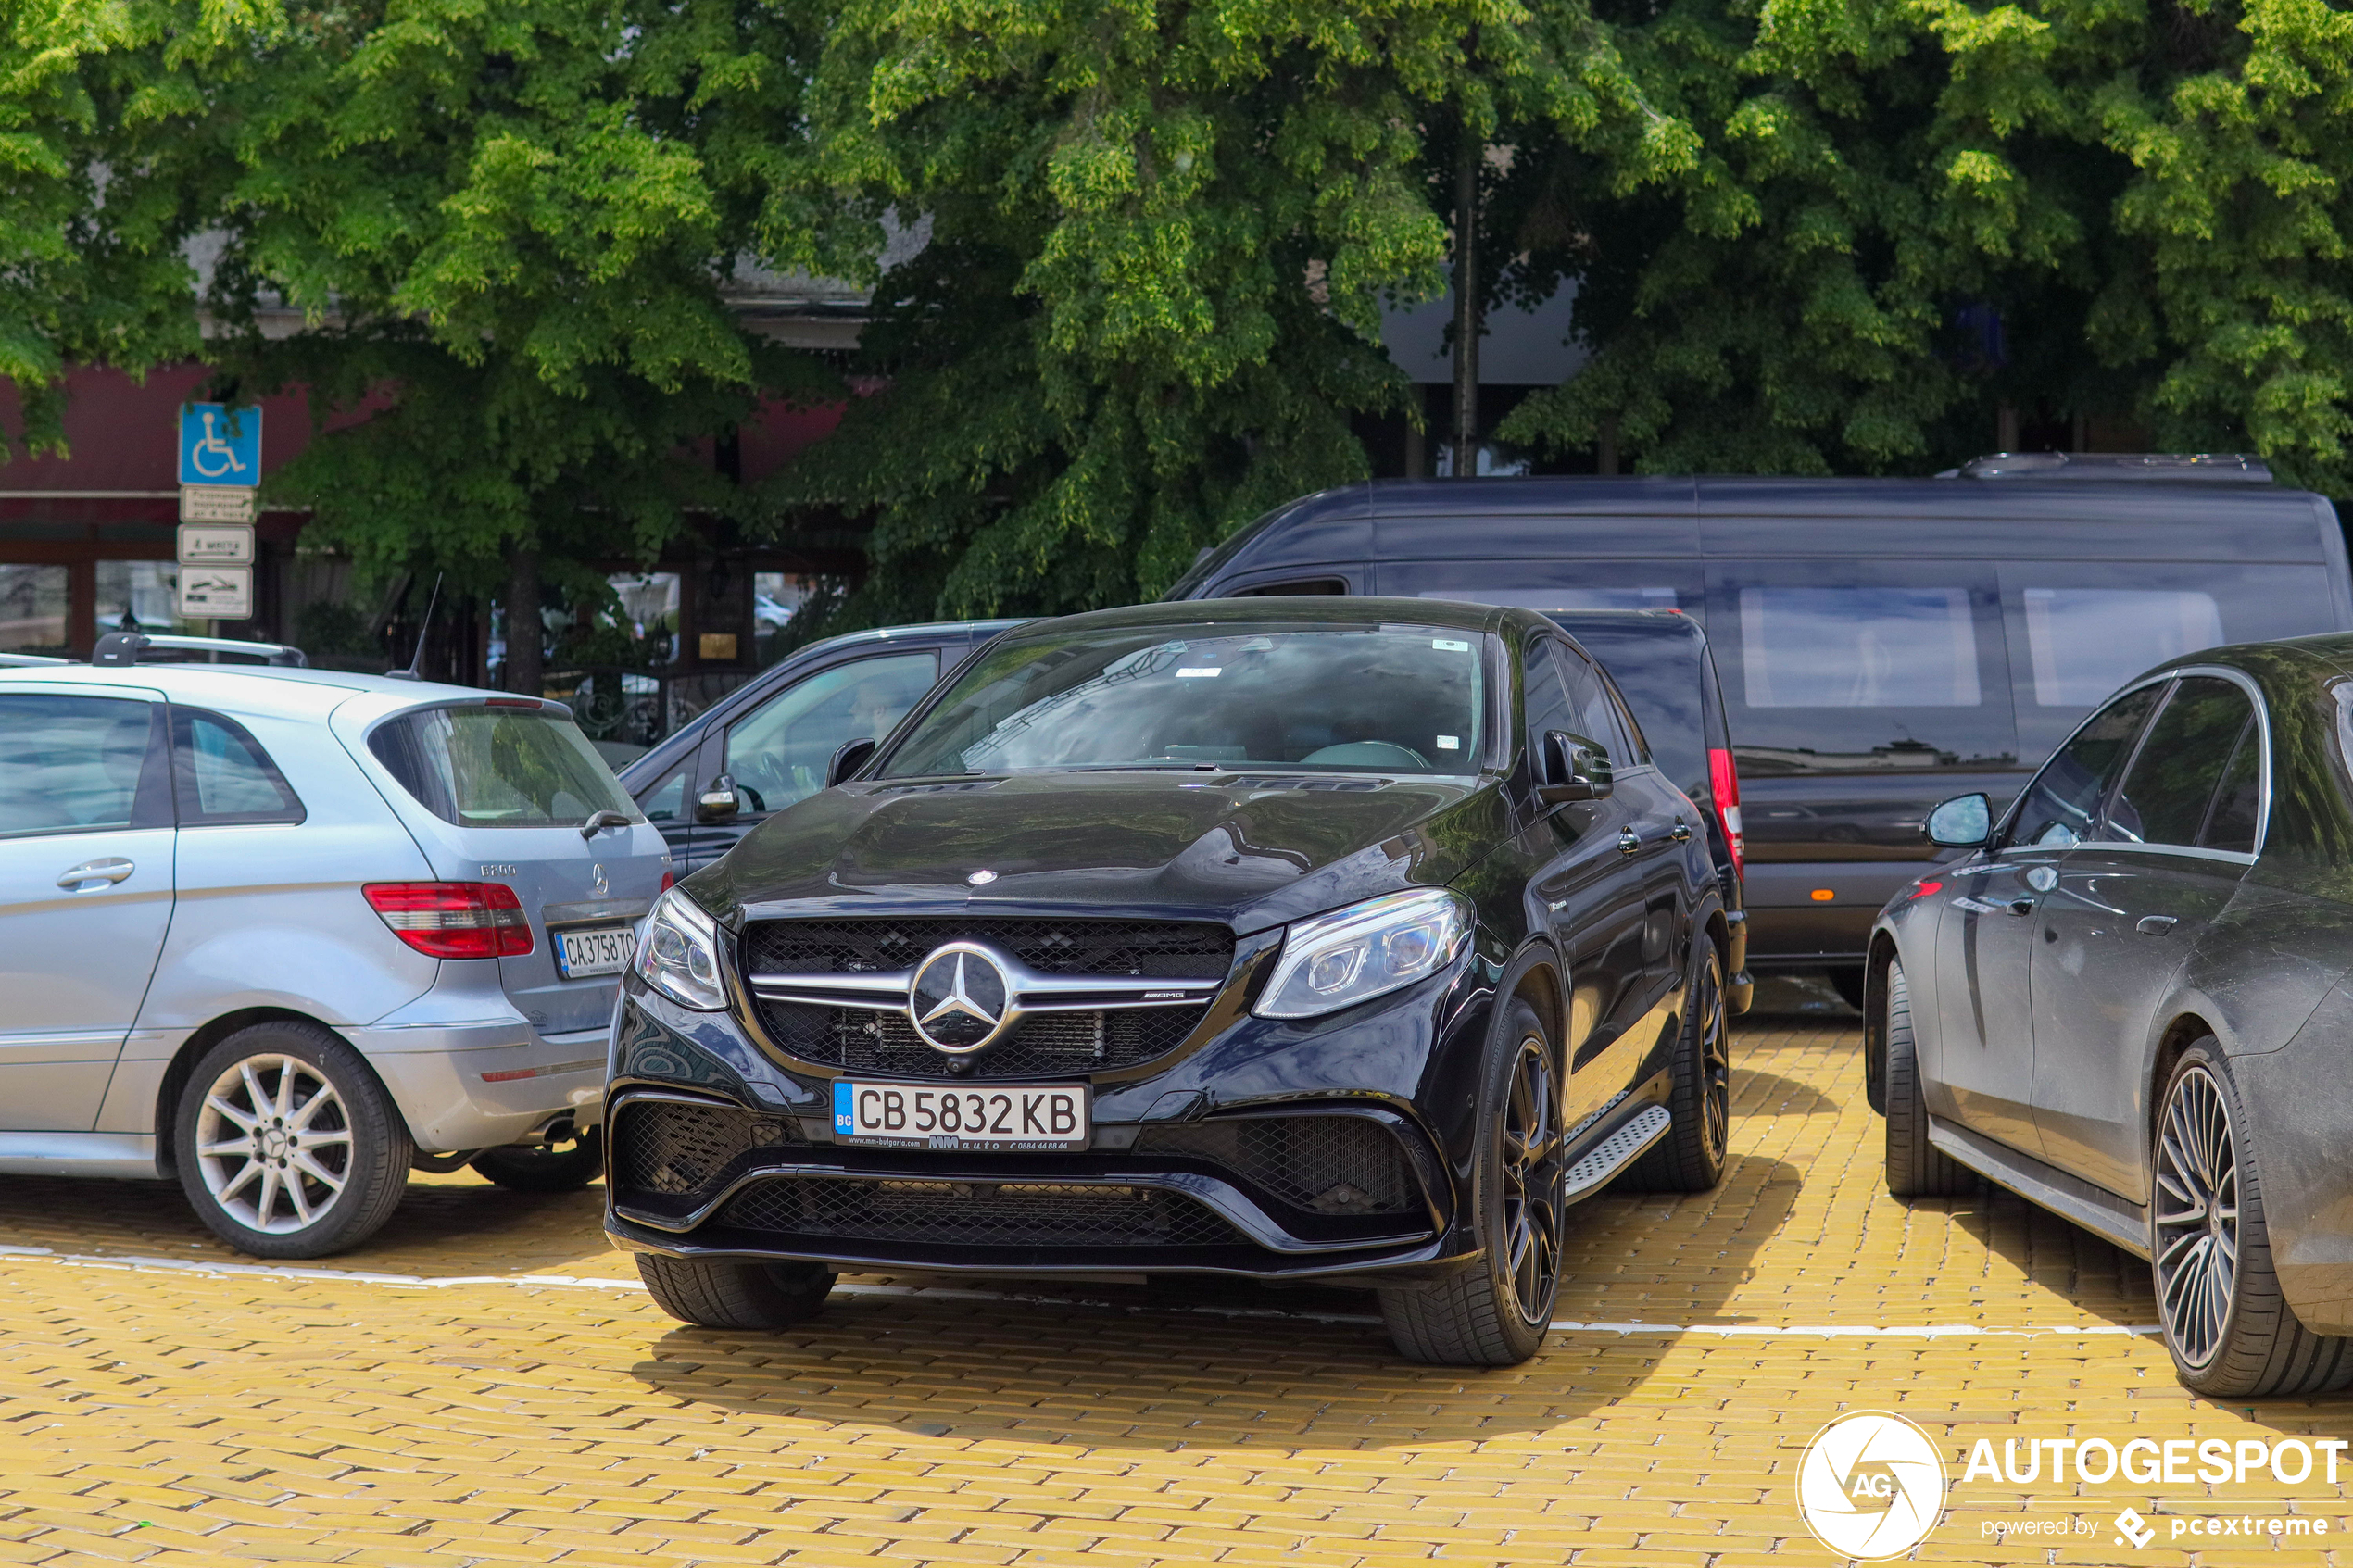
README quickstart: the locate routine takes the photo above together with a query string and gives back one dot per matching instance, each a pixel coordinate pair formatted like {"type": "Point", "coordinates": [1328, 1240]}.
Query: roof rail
{"type": "Point", "coordinates": [2228, 468]}
{"type": "Point", "coordinates": [132, 647]}
{"type": "Point", "coordinates": [12, 660]}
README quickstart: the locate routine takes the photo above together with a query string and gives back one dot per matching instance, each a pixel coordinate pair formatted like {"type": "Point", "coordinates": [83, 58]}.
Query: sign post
{"type": "Point", "coordinates": [220, 467]}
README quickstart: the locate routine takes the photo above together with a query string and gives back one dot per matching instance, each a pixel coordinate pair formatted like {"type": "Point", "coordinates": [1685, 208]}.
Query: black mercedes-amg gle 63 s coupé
{"type": "Point", "coordinates": [1347, 941]}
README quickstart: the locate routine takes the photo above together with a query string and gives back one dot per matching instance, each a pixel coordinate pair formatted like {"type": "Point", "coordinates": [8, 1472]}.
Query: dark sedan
{"type": "Point", "coordinates": [2127, 1004]}
{"type": "Point", "coordinates": [1345, 942]}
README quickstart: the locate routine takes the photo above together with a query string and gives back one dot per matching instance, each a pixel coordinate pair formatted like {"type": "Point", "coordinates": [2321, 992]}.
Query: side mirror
{"type": "Point", "coordinates": [1575, 769]}
{"type": "Point", "coordinates": [1966, 821]}
{"type": "Point", "coordinates": [719, 802]}
{"type": "Point", "coordinates": [848, 760]}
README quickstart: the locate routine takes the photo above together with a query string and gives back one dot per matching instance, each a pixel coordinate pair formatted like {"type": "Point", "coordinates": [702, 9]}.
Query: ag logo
{"type": "Point", "coordinates": [1871, 1485]}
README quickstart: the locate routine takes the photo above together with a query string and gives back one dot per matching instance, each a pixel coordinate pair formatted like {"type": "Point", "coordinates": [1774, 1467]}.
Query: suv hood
{"type": "Point", "coordinates": [1251, 850]}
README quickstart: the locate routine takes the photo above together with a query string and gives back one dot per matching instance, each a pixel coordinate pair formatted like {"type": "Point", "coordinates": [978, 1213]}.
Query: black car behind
{"type": "Point", "coordinates": [1297, 941]}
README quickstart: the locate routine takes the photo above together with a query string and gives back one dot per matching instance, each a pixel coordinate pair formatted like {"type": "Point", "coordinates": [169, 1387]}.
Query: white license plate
{"type": "Point", "coordinates": [593, 949]}
{"type": "Point", "coordinates": [935, 1116]}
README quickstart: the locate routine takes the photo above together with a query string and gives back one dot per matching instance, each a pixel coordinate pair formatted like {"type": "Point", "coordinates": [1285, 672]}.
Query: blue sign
{"type": "Point", "coordinates": [220, 444]}
{"type": "Point", "coordinates": [843, 1120]}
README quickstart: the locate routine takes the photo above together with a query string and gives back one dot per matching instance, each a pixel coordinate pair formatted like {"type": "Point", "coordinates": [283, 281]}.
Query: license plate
{"type": "Point", "coordinates": [934, 1116]}
{"type": "Point", "coordinates": [593, 949]}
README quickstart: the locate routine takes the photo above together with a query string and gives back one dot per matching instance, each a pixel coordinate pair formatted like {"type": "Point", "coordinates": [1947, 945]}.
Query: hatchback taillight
{"type": "Point", "coordinates": [453, 920]}
{"type": "Point", "coordinates": [1724, 780]}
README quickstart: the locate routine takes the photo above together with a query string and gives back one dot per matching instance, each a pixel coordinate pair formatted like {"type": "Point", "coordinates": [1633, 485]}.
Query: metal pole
{"type": "Point", "coordinates": [1467, 312]}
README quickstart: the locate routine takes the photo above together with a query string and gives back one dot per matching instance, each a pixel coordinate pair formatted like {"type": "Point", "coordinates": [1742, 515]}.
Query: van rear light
{"type": "Point", "coordinates": [453, 920]}
{"type": "Point", "coordinates": [1724, 782]}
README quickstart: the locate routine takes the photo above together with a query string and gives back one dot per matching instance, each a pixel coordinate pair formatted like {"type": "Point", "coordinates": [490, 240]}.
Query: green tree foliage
{"type": "Point", "coordinates": [508, 230]}
{"type": "Point", "coordinates": [91, 271]}
{"type": "Point", "coordinates": [1155, 239]}
{"type": "Point", "coordinates": [2150, 195]}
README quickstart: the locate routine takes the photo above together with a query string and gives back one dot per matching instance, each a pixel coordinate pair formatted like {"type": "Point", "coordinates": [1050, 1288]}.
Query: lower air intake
{"type": "Point", "coordinates": [977, 1213]}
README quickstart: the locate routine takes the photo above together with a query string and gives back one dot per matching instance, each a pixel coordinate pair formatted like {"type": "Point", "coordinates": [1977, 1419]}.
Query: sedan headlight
{"type": "Point", "coordinates": [679, 956]}
{"type": "Point", "coordinates": [1338, 959]}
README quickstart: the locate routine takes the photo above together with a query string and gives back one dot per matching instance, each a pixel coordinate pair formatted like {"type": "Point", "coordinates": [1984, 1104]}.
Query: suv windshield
{"type": "Point", "coordinates": [1389, 700]}
{"type": "Point", "coordinates": [488, 768]}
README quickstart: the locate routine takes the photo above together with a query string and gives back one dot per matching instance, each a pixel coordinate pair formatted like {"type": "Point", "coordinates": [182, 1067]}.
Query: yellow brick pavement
{"type": "Point", "coordinates": [184, 1417]}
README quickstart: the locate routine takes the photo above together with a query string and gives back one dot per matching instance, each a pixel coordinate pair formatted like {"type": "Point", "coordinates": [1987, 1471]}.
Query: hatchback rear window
{"type": "Point", "coordinates": [499, 768]}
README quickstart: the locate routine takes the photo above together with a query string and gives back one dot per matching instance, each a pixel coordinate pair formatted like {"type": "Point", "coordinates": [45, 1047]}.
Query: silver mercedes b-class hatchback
{"type": "Point", "coordinates": [286, 934]}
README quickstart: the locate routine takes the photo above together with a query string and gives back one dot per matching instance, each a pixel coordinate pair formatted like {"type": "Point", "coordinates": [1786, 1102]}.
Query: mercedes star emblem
{"type": "Point", "coordinates": [981, 878]}
{"type": "Point", "coordinates": [959, 999]}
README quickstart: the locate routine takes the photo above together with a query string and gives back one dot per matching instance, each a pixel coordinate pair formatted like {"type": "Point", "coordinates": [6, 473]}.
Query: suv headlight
{"type": "Point", "coordinates": [1338, 959]}
{"type": "Point", "coordinates": [679, 956]}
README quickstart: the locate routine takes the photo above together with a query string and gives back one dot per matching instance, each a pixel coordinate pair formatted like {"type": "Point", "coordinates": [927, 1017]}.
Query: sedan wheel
{"type": "Point", "coordinates": [2196, 1218]}
{"type": "Point", "coordinates": [2231, 1331]}
{"type": "Point", "coordinates": [286, 1144]}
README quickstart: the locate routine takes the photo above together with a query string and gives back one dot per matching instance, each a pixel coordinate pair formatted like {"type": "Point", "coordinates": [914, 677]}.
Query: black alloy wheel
{"type": "Point", "coordinates": [1496, 1313]}
{"type": "Point", "coordinates": [2231, 1331]}
{"type": "Point", "coordinates": [1691, 1156]}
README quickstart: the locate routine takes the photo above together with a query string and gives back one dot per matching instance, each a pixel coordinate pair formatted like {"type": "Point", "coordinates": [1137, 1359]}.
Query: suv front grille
{"type": "Point", "coordinates": [1158, 949]}
{"type": "Point", "coordinates": [1324, 1164]}
{"type": "Point", "coordinates": [976, 1213]}
{"type": "Point", "coordinates": [1039, 1044]}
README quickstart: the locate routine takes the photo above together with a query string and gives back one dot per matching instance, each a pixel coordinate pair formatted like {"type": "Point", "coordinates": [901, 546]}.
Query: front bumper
{"type": "Point", "coordinates": [1272, 1150]}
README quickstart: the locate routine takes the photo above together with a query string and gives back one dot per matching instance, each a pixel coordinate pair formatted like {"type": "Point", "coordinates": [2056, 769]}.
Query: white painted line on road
{"type": "Point", "coordinates": [951, 1293]}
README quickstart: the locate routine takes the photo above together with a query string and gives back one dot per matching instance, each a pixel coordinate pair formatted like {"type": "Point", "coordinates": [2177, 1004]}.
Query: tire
{"type": "Point", "coordinates": [1691, 1156]}
{"type": "Point", "coordinates": [324, 1182]}
{"type": "Point", "coordinates": [2231, 1333]}
{"type": "Point", "coordinates": [1847, 981]}
{"type": "Point", "coordinates": [1915, 1168]}
{"type": "Point", "coordinates": [713, 1294]}
{"type": "Point", "coordinates": [1497, 1312]}
{"type": "Point", "coordinates": [559, 1166]}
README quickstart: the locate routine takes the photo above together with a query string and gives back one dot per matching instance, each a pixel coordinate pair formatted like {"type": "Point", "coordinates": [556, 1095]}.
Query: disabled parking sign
{"type": "Point", "coordinates": [220, 444]}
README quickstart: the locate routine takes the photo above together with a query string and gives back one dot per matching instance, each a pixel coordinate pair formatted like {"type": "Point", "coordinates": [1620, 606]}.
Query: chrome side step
{"type": "Point", "coordinates": [2047, 1187]}
{"type": "Point", "coordinates": [1619, 1150]}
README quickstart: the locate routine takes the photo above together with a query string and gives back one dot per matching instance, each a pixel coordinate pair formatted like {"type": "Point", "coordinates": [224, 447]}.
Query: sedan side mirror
{"type": "Point", "coordinates": [1575, 769]}
{"type": "Point", "coordinates": [719, 802]}
{"type": "Point", "coordinates": [848, 760]}
{"type": "Point", "coordinates": [1966, 821]}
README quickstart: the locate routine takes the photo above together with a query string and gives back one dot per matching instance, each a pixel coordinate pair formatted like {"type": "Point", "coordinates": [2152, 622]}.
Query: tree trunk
{"type": "Point", "coordinates": [1467, 314]}
{"type": "Point", "coordinates": [524, 632]}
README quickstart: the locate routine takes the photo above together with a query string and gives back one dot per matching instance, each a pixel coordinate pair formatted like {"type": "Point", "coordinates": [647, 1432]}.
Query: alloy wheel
{"type": "Point", "coordinates": [1715, 1057]}
{"type": "Point", "coordinates": [1532, 1175]}
{"type": "Point", "coordinates": [2196, 1216]}
{"type": "Point", "coordinates": [273, 1143]}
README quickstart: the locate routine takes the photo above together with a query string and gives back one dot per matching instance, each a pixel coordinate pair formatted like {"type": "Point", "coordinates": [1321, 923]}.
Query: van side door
{"type": "Point", "coordinates": [86, 892]}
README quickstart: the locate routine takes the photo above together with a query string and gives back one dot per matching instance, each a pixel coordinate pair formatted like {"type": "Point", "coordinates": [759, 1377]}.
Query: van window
{"type": "Point", "coordinates": [2087, 641]}
{"type": "Point", "coordinates": [1858, 647]}
{"type": "Point", "coordinates": [2078, 632]}
{"type": "Point", "coordinates": [1860, 665]}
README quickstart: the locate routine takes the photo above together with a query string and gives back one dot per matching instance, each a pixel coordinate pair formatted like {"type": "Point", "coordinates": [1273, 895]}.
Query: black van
{"type": "Point", "coordinates": [1884, 644]}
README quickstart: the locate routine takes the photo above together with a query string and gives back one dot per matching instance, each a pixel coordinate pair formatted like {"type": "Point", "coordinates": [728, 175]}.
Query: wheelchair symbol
{"type": "Point", "coordinates": [213, 457]}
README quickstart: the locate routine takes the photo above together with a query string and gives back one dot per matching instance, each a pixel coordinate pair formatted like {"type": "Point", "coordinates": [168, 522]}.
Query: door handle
{"type": "Point", "coordinates": [88, 874]}
{"type": "Point", "coordinates": [1627, 841]}
{"type": "Point", "coordinates": [2155, 925]}
{"type": "Point", "coordinates": [2021, 906]}
{"type": "Point", "coordinates": [1683, 833]}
